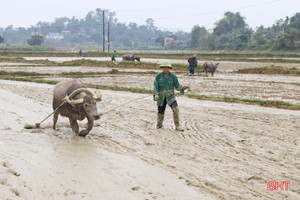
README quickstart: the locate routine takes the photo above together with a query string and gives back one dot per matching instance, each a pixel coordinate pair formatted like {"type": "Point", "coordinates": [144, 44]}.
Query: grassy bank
{"type": "Point", "coordinates": [26, 48]}
{"type": "Point", "coordinates": [23, 60]}
{"type": "Point", "coordinates": [95, 63]}
{"type": "Point", "coordinates": [72, 74]}
{"type": "Point", "coordinates": [158, 54]}
{"type": "Point", "coordinates": [265, 103]}
{"type": "Point", "coordinates": [264, 60]}
{"type": "Point", "coordinates": [123, 65]}
{"type": "Point", "coordinates": [270, 70]}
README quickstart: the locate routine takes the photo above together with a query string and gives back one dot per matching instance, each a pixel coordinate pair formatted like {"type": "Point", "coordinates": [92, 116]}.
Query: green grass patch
{"type": "Point", "coordinates": [270, 70]}
{"type": "Point", "coordinates": [266, 103]}
{"type": "Point", "coordinates": [222, 55]}
{"type": "Point", "coordinates": [22, 73]}
{"type": "Point", "coordinates": [123, 65]}
{"type": "Point", "coordinates": [118, 88]}
{"type": "Point", "coordinates": [265, 60]}
{"type": "Point", "coordinates": [72, 74]}
{"type": "Point", "coordinates": [23, 60]}
{"type": "Point", "coordinates": [113, 71]}
{"type": "Point", "coordinates": [28, 79]}
{"type": "Point", "coordinates": [26, 48]}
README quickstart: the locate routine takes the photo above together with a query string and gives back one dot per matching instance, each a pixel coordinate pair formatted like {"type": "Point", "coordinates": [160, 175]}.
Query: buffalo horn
{"type": "Point", "coordinates": [75, 92]}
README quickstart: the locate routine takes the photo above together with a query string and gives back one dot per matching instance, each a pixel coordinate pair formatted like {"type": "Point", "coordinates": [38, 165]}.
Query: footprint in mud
{"type": "Point", "coordinates": [14, 172]}
{"type": "Point", "coordinates": [37, 131]}
{"type": "Point", "coordinates": [10, 170]}
{"type": "Point", "coordinates": [135, 188]}
{"type": "Point", "coordinates": [3, 181]}
{"type": "Point", "coordinates": [4, 164]}
{"type": "Point", "coordinates": [69, 191]}
{"type": "Point", "coordinates": [16, 192]}
{"type": "Point", "coordinates": [62, 133]}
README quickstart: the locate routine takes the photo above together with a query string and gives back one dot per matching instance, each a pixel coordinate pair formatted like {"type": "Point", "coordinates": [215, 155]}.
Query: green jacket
{"type": "Point", "coordinates": [164, 87]}
{"type": "Point", "coordinates": [113, 57]}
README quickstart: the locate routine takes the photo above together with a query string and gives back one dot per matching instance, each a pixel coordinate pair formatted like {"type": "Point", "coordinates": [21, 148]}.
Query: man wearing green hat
{"type": "Point", "coordinates": [164, 85]}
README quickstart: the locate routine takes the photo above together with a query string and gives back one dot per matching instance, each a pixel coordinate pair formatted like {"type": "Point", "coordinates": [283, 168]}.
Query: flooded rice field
{"type": "Point", "coordinates": [227, 150]}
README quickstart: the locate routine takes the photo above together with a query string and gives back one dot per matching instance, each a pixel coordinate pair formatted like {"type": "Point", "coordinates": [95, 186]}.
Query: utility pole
{"type": "Point", "coordinates": [103, 40]}
{"type": "Point", "coordinates": [108, 42]}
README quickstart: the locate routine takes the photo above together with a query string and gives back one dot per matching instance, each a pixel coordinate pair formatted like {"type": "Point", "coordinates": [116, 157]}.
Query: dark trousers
{"type": "Point", "coordinates": [161, 109]}
{"type": "Point", "coordinates": [191, 69]}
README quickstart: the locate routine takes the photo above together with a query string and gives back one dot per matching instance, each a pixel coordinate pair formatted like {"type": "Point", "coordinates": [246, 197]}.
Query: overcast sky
{"type": "Point", "coordinates": [169, 14]}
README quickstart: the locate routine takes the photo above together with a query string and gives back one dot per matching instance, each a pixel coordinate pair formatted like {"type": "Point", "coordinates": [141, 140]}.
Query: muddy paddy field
{"type": "Point", "coordinates": [227, 150]}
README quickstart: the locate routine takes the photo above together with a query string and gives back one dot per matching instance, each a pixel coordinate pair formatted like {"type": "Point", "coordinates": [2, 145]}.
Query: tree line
{"type": "Point", "coordinates": [233, 33]}
{"type": "Point", "coordinates": [229, 33]}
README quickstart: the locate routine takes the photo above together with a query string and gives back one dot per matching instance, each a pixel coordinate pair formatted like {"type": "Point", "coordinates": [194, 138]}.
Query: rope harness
{"type": "Point", "coordinates": [165, 91]}
{"type": "Point", "coordinates": [37, 125]}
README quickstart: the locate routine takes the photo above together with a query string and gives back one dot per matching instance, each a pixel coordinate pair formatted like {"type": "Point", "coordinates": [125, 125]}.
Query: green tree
{"type": "Point", "coordinates": [295, 21]}
{"type": "Point", "coordinates": [292, 38]}
{"type": "Point", "coordinates": [1, 39]}
{"type": "Point", "coordinates": [150, 24]}
{"type": "Point", "coordinates": [243, 38]}
{"type": "Point", "coordinates": [232, 31]}
{"type": "Point", "coordinates": [211, 42]}
{"type": "Point", "coordinates": [35, 40]}
{"type": "Point", "coordinates": [262, 35]}
{"type": "Point", "coordinates": [160, 40]}
{"type": "Point", "coordinates": [195, 36]}
{"type": "Point", "coordinates": [231, 22]}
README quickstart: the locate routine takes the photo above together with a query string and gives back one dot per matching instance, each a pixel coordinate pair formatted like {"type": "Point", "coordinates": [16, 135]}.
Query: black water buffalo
{"type": "Point", "coordinates": [210, 66]}
{"type": "Point", "coordinates": [130, 57]}
{"type": "Point", "coordinates": [80, 104]}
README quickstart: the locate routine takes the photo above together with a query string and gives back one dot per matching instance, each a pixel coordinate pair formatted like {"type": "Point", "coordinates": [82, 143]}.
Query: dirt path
{"type": "Point", "coordinates": [227, 151]}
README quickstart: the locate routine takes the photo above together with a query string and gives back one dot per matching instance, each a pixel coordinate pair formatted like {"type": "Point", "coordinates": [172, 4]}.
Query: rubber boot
{"type": "Point", "coordinates": [160, 119]}
{"type": "Point", "coordinates": [176, 119]}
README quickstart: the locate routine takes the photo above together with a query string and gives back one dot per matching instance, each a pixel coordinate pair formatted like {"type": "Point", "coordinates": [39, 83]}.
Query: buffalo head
{"type": "Point", "coordinates": [137, 58]}
{"type": "Point", "coordinates": [87, 103]}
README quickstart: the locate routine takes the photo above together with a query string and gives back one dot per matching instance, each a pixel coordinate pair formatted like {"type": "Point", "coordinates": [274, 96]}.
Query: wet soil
{"type": "Point", "coordinates": [227, 151]}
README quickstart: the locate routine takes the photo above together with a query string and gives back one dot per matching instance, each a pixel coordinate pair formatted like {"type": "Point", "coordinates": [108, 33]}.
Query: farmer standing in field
{"type": "Point", "coordinates": [80, 52]}
{"type": "Point", "coordinates": [113, 56]}
{"type": "Point", "coordinates": [164, 85]}
{"type": "Point", "coordinates": [192, 64]}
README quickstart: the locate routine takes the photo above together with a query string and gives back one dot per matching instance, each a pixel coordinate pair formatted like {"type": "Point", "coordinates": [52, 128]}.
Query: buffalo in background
{"type": "Point", "coordinates": [130, 57]}
{"type": "Point", "coordinates": [210, 66]}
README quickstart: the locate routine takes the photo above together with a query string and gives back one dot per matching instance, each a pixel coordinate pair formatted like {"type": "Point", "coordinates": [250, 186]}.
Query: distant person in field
{"type": "Point", "coordinates": [192, 64]}
{"type": "Point", "coordinates": [113, 56]}
{"type": "Point", "coordinates": [80, 52]}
